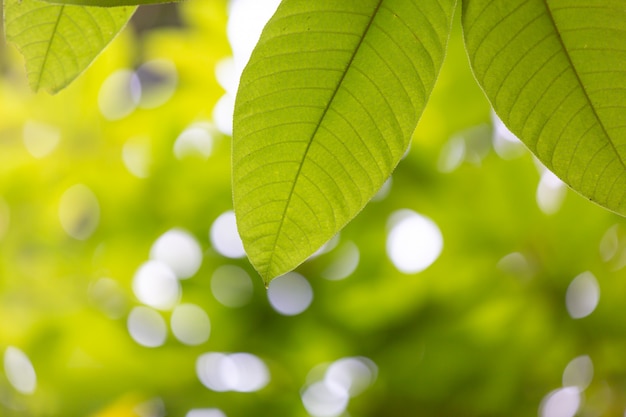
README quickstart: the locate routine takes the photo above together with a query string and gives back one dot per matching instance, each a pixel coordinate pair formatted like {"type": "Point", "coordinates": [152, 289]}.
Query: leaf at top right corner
{"type": "Point", "coordinates": [555, 73]}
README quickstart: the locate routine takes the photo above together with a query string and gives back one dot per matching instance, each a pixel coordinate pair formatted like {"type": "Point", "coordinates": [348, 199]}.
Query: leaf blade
{"type": "Point", "coordinates": [110, 3]}
{"type": "Point", "coordinates": [557, 80]}
{"type": "Point", "coordinates": [325, 110]}
{"type": "Point", "coordinates": [59, 42]}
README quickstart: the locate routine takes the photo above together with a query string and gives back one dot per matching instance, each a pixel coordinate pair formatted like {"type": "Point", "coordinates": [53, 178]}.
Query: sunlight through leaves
{"type": "Point", "coordinates": [147, 327]}
{"type": "Point", "coordinates": [180, 251]}
{"type": "Point", "coordinates": [19, 370]}
{"type": "Point", "coordinates": [582, 296]}
{"type": "Point", "coordinates": [79, 212]}
{"type": "Point", "coordinates": [190, 324]}
{"type": "Point", "coordinates": [414, 241]}
{"type": "Point", "coordinates": [231, 286]}
{"type": "Point", "coordinates": [290, 294]}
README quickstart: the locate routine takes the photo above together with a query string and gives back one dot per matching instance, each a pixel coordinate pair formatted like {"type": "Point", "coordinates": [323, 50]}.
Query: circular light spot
{"type": "Point", "coordinates": [19, 370]}
{"type": "Point", "coordinates": [147, 327]}
{"type": "Point", "coordinates": [158, 79]}
{"type": "Point", "coordinates": [40, 139]}
{"type": "Point", "coordinates": [346, 262]}
{"type": "Point", "coordinates": [226, 75]}
{"type": "Point", "coordinates": [241, 372]}
{"type": "Point", "coordinates": [505, 143]}
{"type": "Point", "coordinates": [79, 212]}
{"type": "Point", "coordinates": [190, 324]}
{"type": "Point", "coordinates": [180, 251]}
{"type": "Point", "coordinates": [196, 140]}
{"type": "Point", "coordinates": [231, 286]}
{"type": "Point", "coordinates": [582, 296]}
{"type": "Point", "coordinates": [136, 156]}
{"type": "Point", "coordinates": [290, 294]}
{"type": "Point", "coordinates": [578, 373]}
{"type": "Point", "coordinates": [384, 190]}
{"type": "Point", "coordinates": [225, 237]}
{"type": "Point", "coordinates": [550, 192]}
{"type": "Point", "coordinates": [211, 369]}
{"type": "Point", "coordinates": [516, 264]}
{"type": "Point", "coordinates": [563, 402]}
{"type": "Point", "coordinates": [155, 284]}
{"type": "Point", "coordinates": [452, 155]}
{"type": "Point", "coordinates": [352, 375]}
{"type": "Point", "coordinates": [321, 400]}
{"type": "Point", "coordinates": [252, 374]}
{"type": "Point", "coordinates": [245, 23]}
{"type": "Point", "coordinates": [119, 94]}
{"type": "Point", "coordinates": [414, 242]}
{"type": "Point", "coordinates": [205, 412]}
{"type": "Point", "coordinates": [223, 114]}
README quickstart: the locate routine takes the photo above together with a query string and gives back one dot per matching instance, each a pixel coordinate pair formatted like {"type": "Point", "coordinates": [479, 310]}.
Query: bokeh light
{"type": "Point", "coordinates": [147, 327]}
{"type": "Point", "coordinates": [79, 212]}
{"type": "Point", "coordinates": [321, 400]}
{"type": "Point", "coordinates": [190, 324]}
{"type": "Point", "coordinates": [231, 286]}
{"type": "Point", "coordinates": [155, 285]}
{"type": "Point", "coordinates": [225, 237]}
{"type": "Point", "coordinates": [290, 294]}
{"type": "Point", "coordinates": [414, 241]}
{"type": "Point", "coordinates": [195, 140]}
{"type": "Point", "coordinates": [578, 373]}
{"type": "Point", "coordinates": [241, 372]}
{"type": "Point", "coordinates": [582, 296]}
{"type": "Point", "coordinates": [205, 412]}
{"type": "Point", "coordinates": [119, 94]}
{"type": "Point", "coordinates": [505, 143]}
{"type": "Point", "coordinates": [353, 375]}
{"type": "Point", "coordinates": [136, 156]}
{"type": "Point", "coordinates": [179, 250]}
{"type": "Point", "coordinates": [551, 192]}
{"type": "Point", "coordinates": [346, 261]}
{"type": "Point", "coordinates": [40, 138]}
{"type": "Point", "coordinates": [19, 370]}
{"type": "Point", "coordinates": [158, 79]}
{"type": "Point", "coordinates": [563, 402]}
{"type": "Point", "coordinates": [452, 154]}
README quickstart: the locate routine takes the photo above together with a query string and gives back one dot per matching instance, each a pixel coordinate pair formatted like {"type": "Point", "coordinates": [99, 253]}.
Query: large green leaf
{"type": "Point", "coordinates": [111, 3]}
{"type": "Point", "coordinates": [59, 42]}
{"type": "Point", "coordinates": [555, 72]}
{"type": "Point", "coordinates": [326, 108]}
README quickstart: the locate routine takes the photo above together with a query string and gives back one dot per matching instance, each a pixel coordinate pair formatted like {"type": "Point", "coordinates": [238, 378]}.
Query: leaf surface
{"type": "Point", "coordinates": [59, 42]}
{"type": "Point", "coordinates": [555, 73]}
{"type": "Point", "coordinates": [325, 110]}
{"type": "Point", "coordinates": [111, 3]}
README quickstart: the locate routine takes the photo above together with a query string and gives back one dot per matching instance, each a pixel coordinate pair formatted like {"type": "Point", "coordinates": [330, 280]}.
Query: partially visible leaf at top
{"type": "Point", "coordinates": [59, 42]}
{"type": "Point", "coordinates": [325, 110]}
{"type": "Point", "coordinates": [555, 72]}
{"type": "Point", "coordinates": [111, 3]}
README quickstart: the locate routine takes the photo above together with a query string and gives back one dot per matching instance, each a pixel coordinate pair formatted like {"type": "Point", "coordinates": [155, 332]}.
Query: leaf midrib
{"type": "Point", "coordinates": [308, 147]}
{"type": "Point", "coordinates": [49, 46]}
{"type": "Point", "coordinates": [582, 85]}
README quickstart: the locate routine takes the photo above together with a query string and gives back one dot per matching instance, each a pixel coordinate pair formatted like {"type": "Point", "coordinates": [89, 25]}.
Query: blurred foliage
{"type": "Point", "coordinates": [472, 335]}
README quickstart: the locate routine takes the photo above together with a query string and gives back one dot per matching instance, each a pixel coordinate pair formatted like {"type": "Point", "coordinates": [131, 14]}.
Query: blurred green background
{"type": "Point", "coordinates": [474, 284]}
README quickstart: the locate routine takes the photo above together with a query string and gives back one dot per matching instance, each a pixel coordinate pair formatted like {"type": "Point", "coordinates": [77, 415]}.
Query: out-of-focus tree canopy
{"type": "Point", "coordinates": [474, 284]}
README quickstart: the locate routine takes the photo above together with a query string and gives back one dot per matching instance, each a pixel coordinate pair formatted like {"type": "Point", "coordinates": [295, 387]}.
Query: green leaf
{"type": "Point", "coordinates": [59, 42]}
{"type": "Point", "coordinates": [111, 3]}
{"type": "Point", "coordinates": [326, 108]}
{"type": "Point", "coordinates": [555, 73]}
